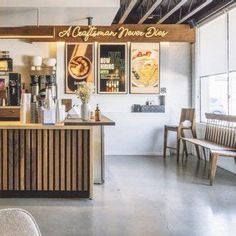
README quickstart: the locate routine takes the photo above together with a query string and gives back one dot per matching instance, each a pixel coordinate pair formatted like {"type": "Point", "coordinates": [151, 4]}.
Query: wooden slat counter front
{"type": "Point", "coordinates": [46, 160]}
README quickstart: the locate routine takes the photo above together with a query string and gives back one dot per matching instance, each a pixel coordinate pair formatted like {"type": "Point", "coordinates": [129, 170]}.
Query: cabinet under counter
{"type": "Point", "coordinates": [46, 161]}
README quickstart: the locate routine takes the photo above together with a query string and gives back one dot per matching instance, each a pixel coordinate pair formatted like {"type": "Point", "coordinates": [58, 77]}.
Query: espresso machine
{"type": "Point", "coordinates": [14, 89]}
{"type": "Point", "coordinates": [39, 83]}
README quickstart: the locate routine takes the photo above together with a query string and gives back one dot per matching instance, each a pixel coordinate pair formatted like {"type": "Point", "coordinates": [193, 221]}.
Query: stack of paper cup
{"type": "Point", "coordinates": [25, 108]}
{"type": "Point", "coordinates": [60, 112]}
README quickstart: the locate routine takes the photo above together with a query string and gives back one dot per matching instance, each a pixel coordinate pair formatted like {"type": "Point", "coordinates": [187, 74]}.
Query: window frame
{"type": "Point", "coordinates": [198, 81]}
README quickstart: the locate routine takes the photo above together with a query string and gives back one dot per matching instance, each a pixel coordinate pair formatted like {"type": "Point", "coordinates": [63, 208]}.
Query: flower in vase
{"type": "Point", "coordinates": [84, 91]}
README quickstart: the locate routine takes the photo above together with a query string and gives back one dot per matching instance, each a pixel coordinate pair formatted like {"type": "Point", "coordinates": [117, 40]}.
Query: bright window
{"type": "Point", "coordinates": [214, 98]}
{"type": "Point", "coordinates": [217, 66]}
{"type": "Point", "coordinates": [232, 93]}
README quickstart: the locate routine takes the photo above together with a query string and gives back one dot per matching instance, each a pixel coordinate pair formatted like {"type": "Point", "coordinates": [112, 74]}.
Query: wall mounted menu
{"type": "Point", "coordinates": [79, 65]}
{"type": "Point", "coordinates": [112, 68]}
{"type": "Point", "coordinates": [144, 66]}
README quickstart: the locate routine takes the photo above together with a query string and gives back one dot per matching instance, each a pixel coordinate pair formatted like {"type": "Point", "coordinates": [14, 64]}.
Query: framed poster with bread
{"type": "Point", "coordinates": [79, 65]}
{"type": "Point", "coordinates": [144, 68]}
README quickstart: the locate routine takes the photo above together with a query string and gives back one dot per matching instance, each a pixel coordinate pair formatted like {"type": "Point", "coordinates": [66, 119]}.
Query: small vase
{"type": "Point", "coordinates": [85, 111]}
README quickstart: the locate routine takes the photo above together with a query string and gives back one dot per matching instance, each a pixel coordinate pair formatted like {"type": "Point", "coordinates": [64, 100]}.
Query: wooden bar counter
{"type": "Point", "coordinates": [47, 160]}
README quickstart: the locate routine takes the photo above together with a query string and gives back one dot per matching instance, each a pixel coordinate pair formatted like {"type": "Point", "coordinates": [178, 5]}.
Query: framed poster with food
{"type": "Point", "coordinates": [144, 68]}
{"type": "Point", "coordinates": [79, 65]}
{"type": "Point", "coordinates": [112, 68]}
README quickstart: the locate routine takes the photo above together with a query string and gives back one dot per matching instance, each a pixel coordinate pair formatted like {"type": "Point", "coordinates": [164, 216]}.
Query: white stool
{"type": "Point", "coordinates": [18, 222]}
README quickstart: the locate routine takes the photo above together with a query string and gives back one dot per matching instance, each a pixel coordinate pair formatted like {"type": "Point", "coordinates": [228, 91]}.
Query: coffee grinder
{"type": "Point", "coordinates": [14, 89]}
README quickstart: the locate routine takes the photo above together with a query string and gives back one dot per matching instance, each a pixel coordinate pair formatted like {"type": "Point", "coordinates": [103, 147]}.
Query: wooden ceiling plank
{"type": "Point", "coordinates": [177, 7]}
{"type": "Point", "coordinates": [199, 8]}
{"type": "Point", "coordinates": [127, 11]}
{"type": "Point", "coordinates": [150, 11]}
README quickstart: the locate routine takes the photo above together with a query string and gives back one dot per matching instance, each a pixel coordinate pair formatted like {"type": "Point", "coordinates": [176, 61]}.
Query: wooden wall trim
{"type": "Point", "coordinates": [113, 33]}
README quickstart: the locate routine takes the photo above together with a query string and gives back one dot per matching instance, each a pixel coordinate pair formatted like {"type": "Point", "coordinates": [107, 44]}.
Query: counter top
{"type": "Point", "coordinates": [68, 124]}
{"type": "Point", "coordinates": [104, 121]}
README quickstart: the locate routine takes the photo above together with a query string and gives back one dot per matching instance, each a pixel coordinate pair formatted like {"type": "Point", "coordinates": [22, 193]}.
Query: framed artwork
{"type": "Point", "coordinates": [79, 65]}
{"type": "Point", "coordinates": [112, 68]}
{"type": "Point", "coordinates": [144, 68]}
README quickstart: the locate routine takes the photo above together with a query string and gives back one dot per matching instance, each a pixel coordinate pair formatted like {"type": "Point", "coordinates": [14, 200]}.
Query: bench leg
{"type": "Point", "coordinates": [213, 168]}
{"type": "Point", "coordinates": [196, 146]}
{"type": "Point", "coordinates": [197, 151]}
{"type": "Point", "coordinates": [165, 142]}
{"type": "Point", "coordinates": [204, 153]}
{"type": "Point", "coordinates": [209, 169]}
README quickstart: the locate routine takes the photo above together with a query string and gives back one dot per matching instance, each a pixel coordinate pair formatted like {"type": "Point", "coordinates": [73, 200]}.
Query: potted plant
{"type": "Point", "coordinates": [84, 92]}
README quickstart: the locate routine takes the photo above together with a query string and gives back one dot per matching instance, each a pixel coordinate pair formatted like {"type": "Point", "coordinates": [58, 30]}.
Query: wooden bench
{"type": "Point", "coordinates": [220, 139]}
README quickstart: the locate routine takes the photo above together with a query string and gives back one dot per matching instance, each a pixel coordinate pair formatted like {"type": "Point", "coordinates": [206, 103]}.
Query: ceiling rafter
{"type": "Point", "coordinates": [149, 8]}
{"type": "Point", "coordinates": [174, 9]}
{"type": "Point", "coordinates": [126, 8]}
{"type": "Point", "coordinates": [194, 11]}
{"type": "Point", "coordinates": [168, 11]}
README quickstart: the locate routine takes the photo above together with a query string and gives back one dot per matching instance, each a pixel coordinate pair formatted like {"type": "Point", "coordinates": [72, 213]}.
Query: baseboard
{"type": "Point", "coordinates": [135, 154]}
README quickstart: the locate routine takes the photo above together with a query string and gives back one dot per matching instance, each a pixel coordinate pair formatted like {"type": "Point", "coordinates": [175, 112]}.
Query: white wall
{"type": "Point", "coordinates": [139, 134]}
{"type": "Point", "coordinates": [134, 134]}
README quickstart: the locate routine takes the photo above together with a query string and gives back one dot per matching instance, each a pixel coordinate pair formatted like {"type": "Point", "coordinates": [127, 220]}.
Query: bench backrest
{"type": "Point", "coordinates": [221, 129]}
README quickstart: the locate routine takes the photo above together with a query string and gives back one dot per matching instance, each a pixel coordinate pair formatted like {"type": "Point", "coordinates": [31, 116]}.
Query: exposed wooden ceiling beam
{"type": "Point", "coordinates": [199, 8]}
{"type": "Point", "coordinates": [178, 6]}
{"type": "Point", "coordinates": [128, 9]}
{"type": "Point", "coordinates": [150, 11]}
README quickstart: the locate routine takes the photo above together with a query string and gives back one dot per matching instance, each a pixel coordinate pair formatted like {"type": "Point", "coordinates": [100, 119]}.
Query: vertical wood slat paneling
{"type": "Point", "coordinates": [57, 159]}
{"type": "Point", "coordinates": [34, 160]}
{"type": "Point", "coordinates": [5, 160]}
{"type": "Point", "coordinates": [44, 160]}
{"type": "Point", "coordinates": [68, 160]}
{"type": "Point", "coordinates": [62, 156]}
{"type": "Point", "coordinates": [10, 160]}
{"type": "Point", "coordinates": [39, 161]}
{"type": "Point", "coordinates": [85, 158]}
{"type": "Point", "coordinates": [22, 159]}
{"type": "Point", "coordinates": [16, 160]}
{"type": "Point", "coordinates": [51, 160]}
{"type": "Point", "coordinates": [74, 162]}
{"type": "Point", "coordinates": [28, 160]}
{"type": "Point", "coordinates": [1, 158]}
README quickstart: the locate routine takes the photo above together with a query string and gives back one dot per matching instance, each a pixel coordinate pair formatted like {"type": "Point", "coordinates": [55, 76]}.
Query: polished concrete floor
{"type": "Point", "coordinates": [143, 196]}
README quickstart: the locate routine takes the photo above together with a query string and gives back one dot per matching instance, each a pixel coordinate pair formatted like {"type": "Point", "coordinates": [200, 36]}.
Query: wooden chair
{"type": "Point", "coordinates": [220, 139]}
{"type": "Point", "coordinates": [186, 114]}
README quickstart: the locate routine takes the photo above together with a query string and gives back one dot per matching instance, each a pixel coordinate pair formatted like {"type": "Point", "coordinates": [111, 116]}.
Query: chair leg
{"type": "Point", "coordinates": [213, 168]}
{"type": "Point", "coordinates": [185, 148]}
{"type": "Point", "coordinates": [165, 142]}
{"type": "Point", "coordinates": [178, 148]}
{"type": "Point", "coordinates": [184, 144]}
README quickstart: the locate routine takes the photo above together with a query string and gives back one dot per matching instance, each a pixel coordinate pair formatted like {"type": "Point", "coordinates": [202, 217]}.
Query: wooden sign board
{"type": "Point", "coordinates": [113, 33]}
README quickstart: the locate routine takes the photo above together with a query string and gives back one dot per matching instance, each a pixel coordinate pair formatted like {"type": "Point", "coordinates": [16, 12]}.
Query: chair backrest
{"type": "Point", "coordinates": [187, 114]}
{"type": "Point", "coordinates": [221, 129]}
